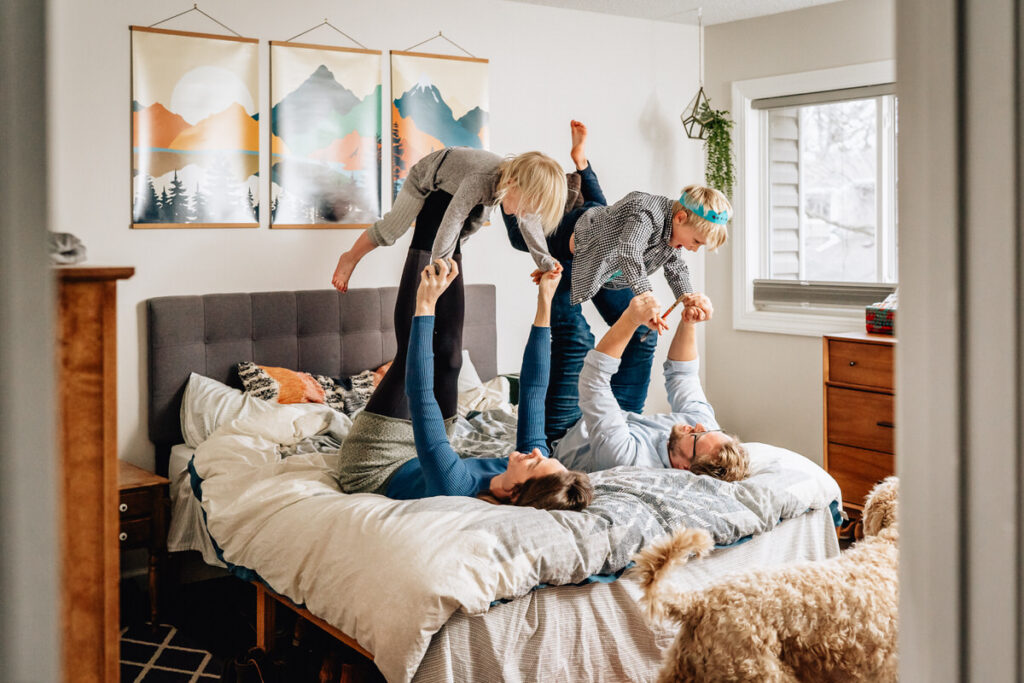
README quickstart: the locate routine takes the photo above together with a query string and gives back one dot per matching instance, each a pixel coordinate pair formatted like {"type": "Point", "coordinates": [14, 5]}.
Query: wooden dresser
{"type": "Point", "coordinates": [87, 366]}
{"type": "Point", "coordinates": [859, 424]}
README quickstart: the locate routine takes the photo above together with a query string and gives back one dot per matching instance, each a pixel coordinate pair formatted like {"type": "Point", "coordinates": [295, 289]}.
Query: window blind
{"type": "Point", "coordinates": [789, 293]}
{"type": "Point", "coordinates": [824, 96]}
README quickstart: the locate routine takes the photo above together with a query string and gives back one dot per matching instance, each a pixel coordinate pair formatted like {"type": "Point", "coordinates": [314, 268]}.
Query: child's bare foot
{"type": "Point", "coordinates": [579, 142]}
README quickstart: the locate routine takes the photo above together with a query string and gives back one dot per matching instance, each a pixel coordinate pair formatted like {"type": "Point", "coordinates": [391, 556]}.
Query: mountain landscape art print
{"type": "Point", "coordinates": [325, 166]}
{"type": "Point", "coordinates": [195, 130]}
{"type": "Point", "coordinates": [437, 101]}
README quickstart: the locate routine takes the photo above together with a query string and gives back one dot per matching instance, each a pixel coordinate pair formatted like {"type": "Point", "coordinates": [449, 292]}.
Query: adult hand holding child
{"type": "Point", "coordinates": [649, 302]}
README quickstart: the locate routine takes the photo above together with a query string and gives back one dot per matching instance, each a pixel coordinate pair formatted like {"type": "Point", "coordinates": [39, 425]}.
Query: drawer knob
{"type": "Point", "coordinates": [852, 363]}
{"type": "Point", "coordinates": [123, 507]}
{"type": "Point", "coordinates": [890, 425]}
{"type": "Point", "coordinates": [122, 537]}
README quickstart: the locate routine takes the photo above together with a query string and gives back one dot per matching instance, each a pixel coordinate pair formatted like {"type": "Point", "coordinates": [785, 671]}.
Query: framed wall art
{"type": "Point", "coordinates": [195, 130]}
{"type": "Point", "coordinates": [436, 101]}
{"type": "Point", "coordinates": [325, 167]}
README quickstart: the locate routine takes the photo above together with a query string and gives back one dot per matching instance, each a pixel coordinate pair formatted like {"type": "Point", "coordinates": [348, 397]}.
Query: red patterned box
{"type": "Point", "coordinates": [879, 317]}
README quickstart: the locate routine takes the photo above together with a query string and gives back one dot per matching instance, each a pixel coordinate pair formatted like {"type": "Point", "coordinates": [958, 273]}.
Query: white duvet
{"type": "Point", "coordinates": [357, 561]}
{"type": "Point", "coordinates": [388, 573]}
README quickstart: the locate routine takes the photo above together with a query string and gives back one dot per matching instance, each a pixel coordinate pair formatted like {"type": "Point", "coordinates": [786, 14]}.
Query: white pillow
{"type": "Point", "coordinates": [469, 378]}
{"type": "Point", "coordinates": [208, 404]}
{"type": "Point", "coordinates": [818, 485]}
{"type": "Point", "coordinates": [489, 395]}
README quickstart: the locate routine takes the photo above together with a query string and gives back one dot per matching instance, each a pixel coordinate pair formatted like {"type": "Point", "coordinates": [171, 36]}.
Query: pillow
{"type": "Point", "coordinates": [490, 395]}
{"type": "Point", "coordinates": [280, 384]}
{"type": "Point", "coordinates": [469, 378]}
{"type": "Point", "coordinates": [207, 405]}
{"type": "Point", "coordinates": [350, 394]}
{"type": "Point", "coordinates": [345, 394]}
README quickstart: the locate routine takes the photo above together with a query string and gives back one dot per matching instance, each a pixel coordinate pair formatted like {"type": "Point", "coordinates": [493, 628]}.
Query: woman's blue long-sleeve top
{"type": "Point", "coordinates": [439, 471]}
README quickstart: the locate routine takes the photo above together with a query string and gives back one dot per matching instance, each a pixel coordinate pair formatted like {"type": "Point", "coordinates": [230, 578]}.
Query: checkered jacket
{"type": "Point", "coordinates": [618, 246]}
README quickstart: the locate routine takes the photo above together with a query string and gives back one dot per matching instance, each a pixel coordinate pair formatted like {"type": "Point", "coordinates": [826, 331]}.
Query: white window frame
{"type": "Point", "coordinates": [750, 238]}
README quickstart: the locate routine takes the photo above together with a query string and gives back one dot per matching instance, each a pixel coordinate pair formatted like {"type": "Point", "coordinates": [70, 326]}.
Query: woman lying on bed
{"type": "Point", "coordinates": [424, 465]}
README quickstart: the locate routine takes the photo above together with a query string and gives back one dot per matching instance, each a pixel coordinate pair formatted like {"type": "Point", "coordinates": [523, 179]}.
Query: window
{"type": "Point", "coordinates": [815, 227]}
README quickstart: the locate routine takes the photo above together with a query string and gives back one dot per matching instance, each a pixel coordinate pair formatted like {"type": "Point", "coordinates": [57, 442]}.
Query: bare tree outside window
{"type": "Point", "coordinates": [827, 219]}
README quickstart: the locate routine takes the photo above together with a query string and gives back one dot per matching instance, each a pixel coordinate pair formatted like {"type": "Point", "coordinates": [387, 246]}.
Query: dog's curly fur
{"type": "Point", "coordinates": [832, 620]}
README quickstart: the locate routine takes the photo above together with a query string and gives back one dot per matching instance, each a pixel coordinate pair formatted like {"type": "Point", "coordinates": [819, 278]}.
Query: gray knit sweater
{"type": "Point", "coordinates": [471, 177]}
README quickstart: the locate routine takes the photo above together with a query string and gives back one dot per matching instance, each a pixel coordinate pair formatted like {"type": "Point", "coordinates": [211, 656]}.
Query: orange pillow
{"type": "Point", "coordinates": [295, 387]}
{"type": "Point", "coordinates": [280, 384]}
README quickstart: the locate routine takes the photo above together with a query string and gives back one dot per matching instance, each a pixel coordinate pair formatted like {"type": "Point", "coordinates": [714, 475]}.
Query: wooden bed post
{"type": "Point", "coordinates": [265, 606]}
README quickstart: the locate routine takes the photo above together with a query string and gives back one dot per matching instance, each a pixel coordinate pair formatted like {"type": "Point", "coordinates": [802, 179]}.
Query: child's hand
{"type": "Point", "coordinates": [547, 282]}
{"type": "Point", "coordinates": [342, 273]}
{"type": "Point", "coordinates": [434, 279]}
{"type": "Point", "coordinates": [697, 308]}
{"type": "Point", "coordinates": [643, 308]}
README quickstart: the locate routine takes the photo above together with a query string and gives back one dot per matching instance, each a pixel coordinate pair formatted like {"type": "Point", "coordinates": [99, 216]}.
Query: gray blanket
{"type": "Point", "coordinates": [634, 506]}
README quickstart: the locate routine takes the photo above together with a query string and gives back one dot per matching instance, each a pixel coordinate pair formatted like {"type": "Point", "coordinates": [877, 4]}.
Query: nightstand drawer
{"type": "Point", "coordinates": [868, 365]}
{"type": "Point", "coordinates": [857, 470]}
{"type": "Point", "coordinates": [135, 503]}
{"type": "Point", "coordinates": [136, 532]}
{"type": "Point", "coordinates": [860, 418]}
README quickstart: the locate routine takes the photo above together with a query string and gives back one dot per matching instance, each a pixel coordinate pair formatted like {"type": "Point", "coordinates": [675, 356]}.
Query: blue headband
{"type": "Point", "coordinates": [704, 212]}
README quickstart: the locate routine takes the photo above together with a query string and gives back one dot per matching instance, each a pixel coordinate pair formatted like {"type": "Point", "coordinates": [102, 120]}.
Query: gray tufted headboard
{"type": "Point", "coordinates": [320, 331]}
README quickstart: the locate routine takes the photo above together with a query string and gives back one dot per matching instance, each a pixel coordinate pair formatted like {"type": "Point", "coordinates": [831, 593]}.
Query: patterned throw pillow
{"type": "Point", "coordinates": [348, 394]}
{"type": "Point", "coordinates": [280, 384]}
{"type": "Point", "coordinates": [344, 394]}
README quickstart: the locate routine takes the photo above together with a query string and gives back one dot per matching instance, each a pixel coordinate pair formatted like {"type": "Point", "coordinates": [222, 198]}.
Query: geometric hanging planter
{"type": "Point", "coordinates": [696, 116]}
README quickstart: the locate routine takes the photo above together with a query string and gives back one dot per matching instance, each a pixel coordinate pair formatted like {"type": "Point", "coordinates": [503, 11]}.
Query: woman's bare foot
{"type": "Point", "coordinates": [579, 142]}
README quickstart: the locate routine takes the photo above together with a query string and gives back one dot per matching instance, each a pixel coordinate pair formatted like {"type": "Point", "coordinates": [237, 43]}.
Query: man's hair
{"type": "Point", "coordinates": [567, 490]}
{"type": "Point", "coordinates": [714, 234]}
{"type": "Point", "coordinates": [541, 181]}
{"type": "Point", "coordinates": [729, 463]}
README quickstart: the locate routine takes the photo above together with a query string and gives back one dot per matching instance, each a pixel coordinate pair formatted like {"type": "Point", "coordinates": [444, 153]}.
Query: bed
{"type": "Point", "coordinates": [472, 623]}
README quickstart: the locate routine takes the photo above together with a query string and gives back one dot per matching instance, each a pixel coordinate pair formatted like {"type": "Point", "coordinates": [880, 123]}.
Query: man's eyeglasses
{"type": "Point", "coordinates": [696, 437]}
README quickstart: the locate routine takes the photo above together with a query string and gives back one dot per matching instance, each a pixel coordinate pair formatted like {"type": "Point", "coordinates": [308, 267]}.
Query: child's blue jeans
{"type": "Point", "coordinates": [571, 339]}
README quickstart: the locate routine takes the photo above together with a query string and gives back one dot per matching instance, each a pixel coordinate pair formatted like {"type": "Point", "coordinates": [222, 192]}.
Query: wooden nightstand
{"type": "Point", "coordinates": [859, 423]}
{"type": "Point", "coordinates": [143, 508]}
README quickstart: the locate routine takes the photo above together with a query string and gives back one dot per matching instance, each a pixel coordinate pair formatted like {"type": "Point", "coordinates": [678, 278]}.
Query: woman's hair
{"type": "Point", "coordinates": [541, 181]}
{"type": "Point", "coordinates": [729, 463]}
{"type": "Point", "coordinates": [714, 234]}
{"type": "Point", "coordinates": [566, 490]}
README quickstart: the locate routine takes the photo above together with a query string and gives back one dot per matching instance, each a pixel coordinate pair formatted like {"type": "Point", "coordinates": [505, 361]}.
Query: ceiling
{"type": "Point", "coordinates": [683, 11]}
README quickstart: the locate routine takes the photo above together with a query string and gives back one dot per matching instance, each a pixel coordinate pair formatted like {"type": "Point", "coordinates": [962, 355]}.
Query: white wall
{"type": "Point", "coordinates": [627, 79]}
{"type": "Point", "coordinates": [768, 387]}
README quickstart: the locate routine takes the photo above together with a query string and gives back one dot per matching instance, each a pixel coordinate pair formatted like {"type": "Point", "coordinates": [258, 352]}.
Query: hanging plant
{"type": "Point", "coordinates": [718, 158]}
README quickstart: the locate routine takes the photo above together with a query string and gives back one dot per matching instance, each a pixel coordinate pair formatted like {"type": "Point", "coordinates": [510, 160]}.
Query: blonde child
{"type": "Point", "coordinates": [620, 245]}
{"type": "Point", "coordinates": [447, 194]}
{"type": "Point", "coordinates": [531, 186]}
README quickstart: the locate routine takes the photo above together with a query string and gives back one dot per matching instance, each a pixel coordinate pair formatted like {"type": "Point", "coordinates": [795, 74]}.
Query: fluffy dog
{"type": "Point", "coordinates": [832, 620]}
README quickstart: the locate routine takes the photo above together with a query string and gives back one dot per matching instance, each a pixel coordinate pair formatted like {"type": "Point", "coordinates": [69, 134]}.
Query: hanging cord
{"type": "Point", "coordinates": [195, 8]}
{"type": "Point", "coordinates": [700, 43]}
{"type": "Point", "coordinates": [327, 23]}
{"type": "Point", "coordinates": [441, 35]}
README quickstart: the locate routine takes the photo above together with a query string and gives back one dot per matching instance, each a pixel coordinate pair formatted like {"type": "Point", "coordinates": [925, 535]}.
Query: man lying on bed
{"type": "Point", "coordinates": [417, 461]}
{"type": "Point", "coordinates": [688, 438]}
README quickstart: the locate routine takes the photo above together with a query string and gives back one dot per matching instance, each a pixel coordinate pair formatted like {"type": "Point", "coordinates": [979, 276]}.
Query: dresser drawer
{"type": "Point", "coordinates": [860, 418]}
{"type": "Point", "coordinates": [135, 503]}
{"type": "Point", "coordinates": [857, 471]}
{"type": "Point", "coordinates": [136, 533]}
{"type": "Point", "coordinates": [868, 365]}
